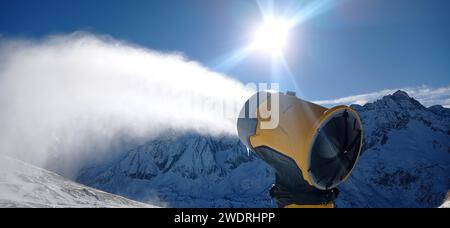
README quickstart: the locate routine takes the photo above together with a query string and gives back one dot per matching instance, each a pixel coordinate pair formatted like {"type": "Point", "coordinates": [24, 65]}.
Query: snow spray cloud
{"type": "Point", "coordinates": [71, 98]}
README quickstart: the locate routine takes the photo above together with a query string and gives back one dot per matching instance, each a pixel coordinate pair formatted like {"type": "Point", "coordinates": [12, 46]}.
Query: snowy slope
{"type": "Point", "coordinates": [405, 163]}
{"type": "Point", "coordinates": [446, 203]}
{"type": "Point", "coordinates": [24, 185]}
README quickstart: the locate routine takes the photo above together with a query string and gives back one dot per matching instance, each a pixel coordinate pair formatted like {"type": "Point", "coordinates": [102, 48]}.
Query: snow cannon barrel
{"type": "Point", "coordinates": [312, 149]}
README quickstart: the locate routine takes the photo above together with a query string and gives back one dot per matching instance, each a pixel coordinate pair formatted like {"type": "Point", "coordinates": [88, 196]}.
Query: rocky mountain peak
{"type": "Point", "coordinates": [400, 94]}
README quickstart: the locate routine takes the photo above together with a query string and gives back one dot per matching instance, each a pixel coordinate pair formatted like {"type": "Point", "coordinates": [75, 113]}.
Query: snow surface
{"type": "Point", "coordinates": [446, 203]}
{"type": "Point", "coordinates": [405, 163]}
{"type": "Point", "coordinates": [24, 185]}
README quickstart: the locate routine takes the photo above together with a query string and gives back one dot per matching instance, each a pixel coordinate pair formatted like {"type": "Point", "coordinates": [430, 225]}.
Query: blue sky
{"type": "Point", "coordinates": [346, 47]}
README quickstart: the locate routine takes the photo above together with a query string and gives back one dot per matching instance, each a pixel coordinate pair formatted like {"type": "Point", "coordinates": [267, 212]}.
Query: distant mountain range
{"type": "Point", "coordinates": [405, 163]}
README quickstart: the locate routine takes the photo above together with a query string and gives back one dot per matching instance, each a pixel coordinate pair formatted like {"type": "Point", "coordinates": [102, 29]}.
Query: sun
{"type": "Point", "coordinates": [272, 36]}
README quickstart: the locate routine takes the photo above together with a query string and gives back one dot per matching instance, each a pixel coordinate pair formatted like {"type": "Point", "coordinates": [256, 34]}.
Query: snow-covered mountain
{"type": "Point", "coordinates": [405, 163]}
{"type": "Point", "coordinates": [187, 171]}
{"type": "Point", "coordinates": [406, 157]}
{"type": "Point", "coordinates": [24, 185]}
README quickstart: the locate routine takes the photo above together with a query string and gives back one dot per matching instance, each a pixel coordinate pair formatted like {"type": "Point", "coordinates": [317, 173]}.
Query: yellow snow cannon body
{"type": "Point", "coordinates": [312, 149]}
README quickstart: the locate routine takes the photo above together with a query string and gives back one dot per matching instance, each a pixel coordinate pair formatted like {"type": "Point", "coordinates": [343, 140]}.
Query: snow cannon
{"type": "Point", "coordinates": [311, 149]}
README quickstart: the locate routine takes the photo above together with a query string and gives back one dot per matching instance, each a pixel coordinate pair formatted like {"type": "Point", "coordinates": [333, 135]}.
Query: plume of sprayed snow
{"type": "Point", "coordinates": [69, 99]}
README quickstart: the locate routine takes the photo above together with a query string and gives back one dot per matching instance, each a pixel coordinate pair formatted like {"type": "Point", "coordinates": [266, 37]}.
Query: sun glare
{"type": "Point", "coordinates": [272, 36]}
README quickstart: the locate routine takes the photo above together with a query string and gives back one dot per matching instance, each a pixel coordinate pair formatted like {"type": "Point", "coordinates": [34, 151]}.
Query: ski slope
{"type": "Point", "coordinates": [24, 185]}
